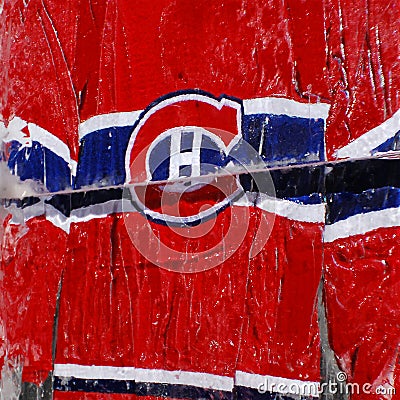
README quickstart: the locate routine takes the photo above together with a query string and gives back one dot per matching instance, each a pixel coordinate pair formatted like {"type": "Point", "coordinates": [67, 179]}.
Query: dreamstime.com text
{"type": "Point", "coordinates": [314, 389]}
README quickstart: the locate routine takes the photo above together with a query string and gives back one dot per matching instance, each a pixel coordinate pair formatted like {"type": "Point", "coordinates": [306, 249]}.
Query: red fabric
{"type": "Point", "coordinates": [72, 62]}
{"type": "Point", "coordinates": [362, 291]}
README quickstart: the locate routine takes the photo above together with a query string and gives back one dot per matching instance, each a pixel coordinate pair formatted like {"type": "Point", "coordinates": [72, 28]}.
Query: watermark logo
{"type": "Point", "coordinates": [315, 389]}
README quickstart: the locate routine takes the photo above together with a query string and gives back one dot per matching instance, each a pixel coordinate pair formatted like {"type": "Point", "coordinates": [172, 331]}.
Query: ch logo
{"type": "Point", "coordinates": [185, 135]}
{"type": "Point", "coordinates": [193, 213]}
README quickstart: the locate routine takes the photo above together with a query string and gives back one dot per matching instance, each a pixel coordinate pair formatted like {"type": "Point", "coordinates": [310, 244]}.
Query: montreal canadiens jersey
{"type": "Point", "coordinates": [139, 271]}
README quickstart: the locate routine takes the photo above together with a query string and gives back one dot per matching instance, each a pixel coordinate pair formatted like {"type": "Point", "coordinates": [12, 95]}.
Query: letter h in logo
{"type": "Point", "coordinates": [185, 154]}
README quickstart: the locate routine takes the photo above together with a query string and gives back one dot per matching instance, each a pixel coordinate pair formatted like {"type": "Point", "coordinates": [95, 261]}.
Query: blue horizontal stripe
{"type": "Point", "coordinates": [344, 205]}
{"type": "Point", "coordinates": [313, 198]}
{"type": "Point", "coordinates": [111, 386]}
{"type": "Point", "coordinates": [39, 164]}
{"type": "Point", "coordinates": [102, 157]}
{"type": "Point", "coordinates": [285, 139]}
{"type": "Point", "coordinates": [390, 144]}
{"type": "Point", "coordinates": [138, 388]}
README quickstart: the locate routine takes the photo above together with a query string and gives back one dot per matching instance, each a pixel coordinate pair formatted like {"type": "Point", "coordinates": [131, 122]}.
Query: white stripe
{"type": "Point", "coordinates": [100, 210]}
{"type": "Point", "coordinates": [362, 223]}
{"type": "Point", "coordinates": [105, 121]}
{"type": "Point", "coordinates": [197, 379]}
{"type": "Point", "coordinates": [362, 146]}
{"type": "Point", "coordinates": [277, 384]}
{"type": "Point", "coordinates": [289, 209]}
{"type": "Point", "coordinates": [86, 214]}
{"type": "Point", "coordinates": [3, 132]}
{"type": "Point", "coordinates": [22, 215]}
{"type": "Point", "coordinates": [73, 165]}
{"type": "Point", "coordinates": [54, 216]}
{"type": "Point", "coordinates": [279, 106]}
{"type": "Point", "coordinates": [300, 212]}
{"type": "Point", "coordinates": [247, 200]}
{"type": "Point", "coordinates": [58, 219]}
{"type": "Point", "coordinates": [13, 131]}
{"type": "Point", "coordinates": [387, 155]}
{"type": "Point", "coordinates": [45, 138]}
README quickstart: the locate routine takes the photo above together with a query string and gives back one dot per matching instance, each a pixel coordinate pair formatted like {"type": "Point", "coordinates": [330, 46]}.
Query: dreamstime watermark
{"type": "Point", "coordinates": [198, 214]}
{"type": "Point", "coordinates": [315, 389]}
